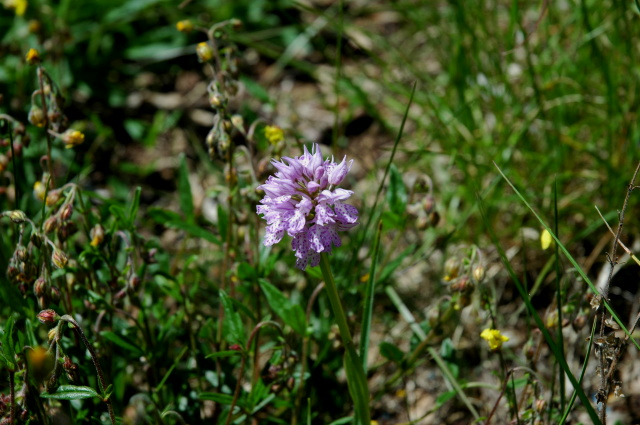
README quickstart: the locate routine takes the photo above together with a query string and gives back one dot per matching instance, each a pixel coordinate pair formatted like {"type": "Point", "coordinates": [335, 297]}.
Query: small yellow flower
{"type": "Point", "coordinates": [20, 6]}
{"type": "Point", "coordinates": [494, 338]}
{"type": "Point", "coordinates": [72, 138]}
{"type": "Point", "coordinates": [184, 26]}
{"type": "Point", "coordinates": [204, 52]}
{"type": "Point", "coordinates": [32, 57]}
{"type": "Point", "coordinates": [273, 134]}
{"type": "Point", "coordinates": [545, 239]}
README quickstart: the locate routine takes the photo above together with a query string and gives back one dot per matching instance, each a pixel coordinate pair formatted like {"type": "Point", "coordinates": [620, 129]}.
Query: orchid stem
{"type": "Point", "coordinates": [356, 378]}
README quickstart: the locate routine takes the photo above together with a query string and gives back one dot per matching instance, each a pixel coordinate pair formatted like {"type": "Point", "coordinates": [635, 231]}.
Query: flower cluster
{"type": "Point", "coordinates": [302, 199]}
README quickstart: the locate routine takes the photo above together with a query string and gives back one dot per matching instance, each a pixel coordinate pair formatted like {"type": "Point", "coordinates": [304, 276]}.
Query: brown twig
{"type": "Point", "coordinates": [605, 387]}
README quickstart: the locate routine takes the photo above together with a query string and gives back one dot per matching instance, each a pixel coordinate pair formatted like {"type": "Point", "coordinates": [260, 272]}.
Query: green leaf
{"type": "Point", "coordinates": [8, 350]}
{"type": "Point", "coordinates": [217, 397]}
{"type": "Point", "coordinates": [173, 220]}
{"type": "Point", "coordinates": [122, 342]}
{"type": "Point", "coordinates": [118, 213]}
{"type": "Point", "coordinates": [391, 352]}
{"type": "Point", "coordinates": [246, 272]}
{"type": "Point", "coordinates": [444, 397]}
{"type": "Point", "coordinates": [291, 314]}
{"type": "Point", "coordinates": [232, 325]}
{"type": "Point", "coordinates": [71, 392]}
{"type": "Point", "coordinates": [184, 190]}
{"type": "Point", "coordinates": [397, 192]}
{"type": "Point", "coordinates": [395, 263]}
{"type": "Point", "coordinates": [135, 205]}
{"type": "Point", "coordinates": [255, 89]}
{"type": "Point", "coordinates": [223, 222]}
{"type": "Point", "coordinates": [220, 354]}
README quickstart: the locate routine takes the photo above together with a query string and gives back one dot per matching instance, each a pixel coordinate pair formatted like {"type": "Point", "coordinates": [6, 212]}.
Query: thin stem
{"type": "Point", "coordinates": [46, 123]}
{"type": "Point", "coordinates": [12, 397]}
{"type": "Point", "coordinates": [236, 392]}
{"type": "Point", "coordinates": [356, 378]}
{"type": "Point", "coordinates": [96, 363]}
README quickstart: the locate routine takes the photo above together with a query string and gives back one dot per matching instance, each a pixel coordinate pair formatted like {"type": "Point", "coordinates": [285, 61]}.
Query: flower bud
{"type": "Point", "coordinates": [53, 197]}
{"type": "Point", "coordinates": [52, 334]}
{"type": "Point", "coordinates": [16, 216]}
{"type": "Point", "coordinates": [54, 293]}
{"type": "Point", "coordinates": [97, 235]}
{"type": "Point", "coordinates": [428, 204]}
{"type": "Point", "coordinates": [451, 268]}
{"type": "Point", "coordinates": [216, 100]}
{"type": "Point", "coordinates": [236, 23]}
{"type": "Point", "coordinates": [32, 57]}
{"type": "Point", "coordinates": [204, 52]}
{"type": "Point", "coordinates": [66, 211]}
{"type": "Point", "coordinates": [237, 121]}
{"type": "Point", "coordinates": [478, 274]}
{"type": "Point", "coordinates": [40, 287]}
{"type": "Point", "coordinates": [36, 116]}
{"type": "Point", "coordinates": [48, 316]}
{"type": "Point", "coordinates": [4, 162]}
{"type": "Point", "coordinates": [50, 224]}
{"type": "Point", "coordinates": [67, 229]}
{"type": "Point", "coordinates": [59, 258]}
{"type": "Point", "coordinates": [134, 282]}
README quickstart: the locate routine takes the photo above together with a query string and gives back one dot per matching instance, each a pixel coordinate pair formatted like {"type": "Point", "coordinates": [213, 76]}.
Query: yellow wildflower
{"type": "Point", "coordinates": [184, 26]}
{"type": "Point", "coordinates": [20, 6]}
{"type": "Point", "coordinates": [545, 239]}
{"type": "Point", "coordinates": [494, 338]}
{"type": "Point", "coordinates": [32, 57]}
{"type": "Point", "coordinates": [72, 138]}
{"type": "Point", "coordinates": [273, 134]}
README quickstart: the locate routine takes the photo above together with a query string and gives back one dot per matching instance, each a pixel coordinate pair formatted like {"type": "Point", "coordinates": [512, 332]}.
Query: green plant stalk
{"type": "Point", "coordinates": [356, 378]}
{"type": "Point", "coordinates": [368, 301]}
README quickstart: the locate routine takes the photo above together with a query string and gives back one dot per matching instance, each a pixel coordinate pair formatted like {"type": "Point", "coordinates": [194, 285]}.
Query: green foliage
{"type": "Point", "coordinates": [145, 235]}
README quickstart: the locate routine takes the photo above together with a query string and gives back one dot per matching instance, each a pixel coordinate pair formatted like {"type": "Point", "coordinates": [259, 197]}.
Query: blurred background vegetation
{"type": "Point", "coordinates": [545, 91]}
